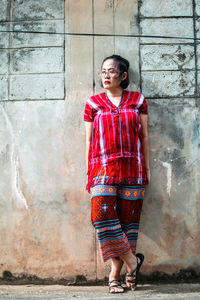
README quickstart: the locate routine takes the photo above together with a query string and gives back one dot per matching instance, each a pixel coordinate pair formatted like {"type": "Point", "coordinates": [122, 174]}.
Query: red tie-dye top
{"type": "Point", "coordinates": [115, 152]}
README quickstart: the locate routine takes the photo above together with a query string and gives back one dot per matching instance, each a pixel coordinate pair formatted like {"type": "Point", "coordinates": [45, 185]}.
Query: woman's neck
{"type": "Point", "coordinates": [114, 93]}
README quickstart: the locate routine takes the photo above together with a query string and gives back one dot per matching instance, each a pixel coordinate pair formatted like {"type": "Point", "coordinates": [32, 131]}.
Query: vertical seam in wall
{"type": "Point", "coordinates": [195, 50]}
{"type": "Point", "coordinates": [113, 12]}
{"type": "Point", "coordinates": [93, 77]}
{"type": "Point", "coordinates": [93, 88]}
{"type": "Point", "coordinates": [9, 51]}
{"type": "Point", "coordinates": [139, 30]}
{"type": "Point", "coordinates": [64, 45]}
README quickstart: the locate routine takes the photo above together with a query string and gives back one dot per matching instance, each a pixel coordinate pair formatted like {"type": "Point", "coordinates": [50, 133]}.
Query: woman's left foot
{"type": "Point", "coordinates": [131, 278]}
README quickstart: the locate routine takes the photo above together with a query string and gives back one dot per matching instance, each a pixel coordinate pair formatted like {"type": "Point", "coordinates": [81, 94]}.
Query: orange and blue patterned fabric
{"type": "Point", "coordinates": [115, 214]}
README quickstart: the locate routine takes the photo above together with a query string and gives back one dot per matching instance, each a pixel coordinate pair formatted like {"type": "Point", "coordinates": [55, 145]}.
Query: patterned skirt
{"type": "Point", "coordinates": [115, 214]}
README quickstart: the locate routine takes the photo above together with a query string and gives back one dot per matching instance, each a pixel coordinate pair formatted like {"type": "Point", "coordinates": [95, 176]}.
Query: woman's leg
{"type": "Point", "coordinates": [130, 261]}
{"type": "Point", "coordinates": [130, 200]}
{"type": "Point", "coordinates": [112, 240]}
{"type": "Point", "coordinates": [116, 266]}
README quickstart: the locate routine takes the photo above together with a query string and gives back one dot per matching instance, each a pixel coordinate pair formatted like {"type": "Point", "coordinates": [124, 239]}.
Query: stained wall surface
{"type": "Point", "coordinates": [45, 80]}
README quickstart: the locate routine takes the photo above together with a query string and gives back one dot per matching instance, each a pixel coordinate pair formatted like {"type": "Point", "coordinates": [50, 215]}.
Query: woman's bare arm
{"type": "Point", "coordinates": [145, 142]}
{"type": "Point", "coordinates": [88, 128]}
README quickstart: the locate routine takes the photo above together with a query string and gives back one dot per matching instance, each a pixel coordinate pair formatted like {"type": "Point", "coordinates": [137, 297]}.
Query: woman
{"type": "Point", "coordinates": [117, 161]}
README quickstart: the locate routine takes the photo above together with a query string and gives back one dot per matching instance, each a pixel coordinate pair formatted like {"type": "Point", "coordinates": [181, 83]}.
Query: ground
{"type": "Point", "coordinates": [144, 292]}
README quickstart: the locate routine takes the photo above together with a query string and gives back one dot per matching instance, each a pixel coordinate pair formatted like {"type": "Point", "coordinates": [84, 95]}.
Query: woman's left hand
{"type": "Point", "coordinates": [148, 175]}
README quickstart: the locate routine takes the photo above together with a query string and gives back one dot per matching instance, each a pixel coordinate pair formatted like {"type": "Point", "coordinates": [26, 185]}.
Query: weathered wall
{"type": "Point", "coordinates": [169, 77]}
{"type": "Point", "coordinates": [44, 82]}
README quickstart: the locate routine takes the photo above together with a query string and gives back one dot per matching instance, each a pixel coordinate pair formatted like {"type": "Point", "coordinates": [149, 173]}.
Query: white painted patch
{"type": "Point", "coordinates": [16, 187]}
{"type": "Point", "coordinates": [169, 177]}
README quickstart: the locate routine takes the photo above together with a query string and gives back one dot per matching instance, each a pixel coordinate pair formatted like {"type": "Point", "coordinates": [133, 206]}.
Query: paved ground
{"type": "Point", "coordinates": [144, 292]}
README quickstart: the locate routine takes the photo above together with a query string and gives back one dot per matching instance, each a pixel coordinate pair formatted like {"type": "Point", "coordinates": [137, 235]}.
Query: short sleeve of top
{"type": "Point", "coordinates": [89, 112]}
{"type": "Point", "coordinates": [143, 108]}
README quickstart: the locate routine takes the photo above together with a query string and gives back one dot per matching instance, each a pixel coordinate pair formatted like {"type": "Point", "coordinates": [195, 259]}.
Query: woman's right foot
{"type": "Point", "coordinates": [115, 286]}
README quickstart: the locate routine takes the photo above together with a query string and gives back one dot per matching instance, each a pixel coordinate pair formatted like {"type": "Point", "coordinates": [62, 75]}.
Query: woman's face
{"type": "Point", "coordinates": [110, 75]}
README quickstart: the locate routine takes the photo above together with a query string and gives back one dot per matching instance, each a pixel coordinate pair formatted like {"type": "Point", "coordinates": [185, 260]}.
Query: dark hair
{"type": "Point", "coordinates": [123, 66]}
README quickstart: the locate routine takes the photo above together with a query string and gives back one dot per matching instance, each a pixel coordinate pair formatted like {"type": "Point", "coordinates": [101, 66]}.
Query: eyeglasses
{"type": "Point", "coordinates": [109, 73]}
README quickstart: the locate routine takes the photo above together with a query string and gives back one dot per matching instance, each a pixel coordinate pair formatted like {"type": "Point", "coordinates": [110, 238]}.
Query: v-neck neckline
{"type": "Point", "coordinates": [111, 103]}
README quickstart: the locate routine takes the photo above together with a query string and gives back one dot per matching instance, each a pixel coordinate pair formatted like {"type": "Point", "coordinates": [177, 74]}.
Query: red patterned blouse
{"type": "Point", "coordinates": [115, 152]}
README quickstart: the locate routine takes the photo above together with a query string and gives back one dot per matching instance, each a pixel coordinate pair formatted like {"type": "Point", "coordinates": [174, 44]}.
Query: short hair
{"type": "Point", "coordinates": [123, 66]}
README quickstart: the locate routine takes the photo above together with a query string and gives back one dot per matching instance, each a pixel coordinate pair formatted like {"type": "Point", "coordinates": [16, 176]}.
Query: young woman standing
{"type": "Point", "coordinates": [117, 161]}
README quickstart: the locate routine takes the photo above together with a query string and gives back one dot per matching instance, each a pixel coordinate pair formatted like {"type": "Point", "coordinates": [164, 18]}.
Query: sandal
{"type": "Point", "coordinates": [132, 277]}
{"type": "Point", "coordinates": [115, 284]}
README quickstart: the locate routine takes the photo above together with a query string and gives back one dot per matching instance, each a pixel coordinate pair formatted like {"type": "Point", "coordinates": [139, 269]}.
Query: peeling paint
{"type": "Point", "coordinates": [169, 176]}
{"type": "Point", "coordinates": [108, 4]}
{"type": "Point", "coordinates": [14, 159]}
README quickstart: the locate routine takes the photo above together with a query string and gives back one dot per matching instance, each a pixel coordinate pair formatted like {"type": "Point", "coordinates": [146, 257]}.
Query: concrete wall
{"type": "Point", "coordinates": [45, 228]}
